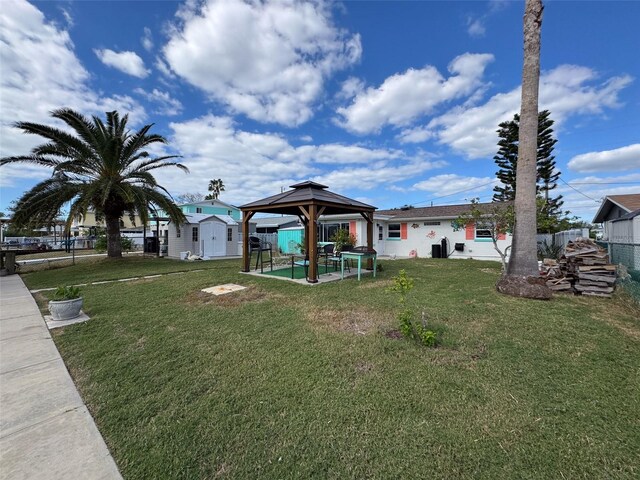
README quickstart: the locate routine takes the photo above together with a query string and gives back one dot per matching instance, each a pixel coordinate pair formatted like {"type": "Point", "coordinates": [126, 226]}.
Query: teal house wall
{"type": "Point", "coordinates": [235, 213]}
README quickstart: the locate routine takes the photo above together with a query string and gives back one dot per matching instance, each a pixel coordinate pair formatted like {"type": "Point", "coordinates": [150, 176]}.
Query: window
{"type": "Point", "coordinates": [198, 209]}
{"type": "Point", "coordinates": [178, 232]}
{"type": "Point", "coordinates": [433, 224]}
{"type": "Point", "coordinates": [194, 234]}
{"type": "Point", "coordinates": [483, 231]}
{"type": "Point", "coordinates": [328, 230]}
{"type": "Point", "coordinates": [229, 235]}
{"type": "Point", "coordinates": [380, 232]}
{"type": "Point", "coordinates": [394, 230]}
{"type": "Point", "coordinates": [229, 212]}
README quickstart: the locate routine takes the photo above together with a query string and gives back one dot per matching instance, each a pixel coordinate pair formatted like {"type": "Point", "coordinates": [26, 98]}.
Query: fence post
{"type": "Point", "coordinates": [73, 252]}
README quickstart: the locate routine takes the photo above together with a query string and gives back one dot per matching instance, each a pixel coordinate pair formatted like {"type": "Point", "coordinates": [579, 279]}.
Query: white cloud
{"type": "Point", "coordinates": [255, 165]}
{"type": "Point", "coordinates": [414, 135]}
{"type": "Point", "coordinates": [624, 158]}
{"type": "Point", "coordinates": [127, 62]}
{"type": "Point", "coordinates": [450, 183]}
{"type": "Point", "coordinates": [566, 90]}
{"type": "Point", "coordinates": [147, 39]}
{"type": "Point", "coordinates": [268, 61]}
{"type": "Point", "coordinates": [404, 97]}
{"type": "Point", "coordinates": [476, 28]}
{"type": "Point", "coordinates": [40, 73]}
{"type": "Point", "coordinates": [166, 104]}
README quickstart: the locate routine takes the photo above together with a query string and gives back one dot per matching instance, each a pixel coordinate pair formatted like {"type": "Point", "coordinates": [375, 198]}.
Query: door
{"type": "Point", "coordinates": [206, 239]}
{"type": "Point", "coordinates": [219, 239]}
{"type": "Point", "coordinates": [378, 235]}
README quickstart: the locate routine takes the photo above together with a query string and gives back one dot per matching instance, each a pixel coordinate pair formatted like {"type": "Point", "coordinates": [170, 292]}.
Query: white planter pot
{"type": "Point", "coordinates": [65, 309]}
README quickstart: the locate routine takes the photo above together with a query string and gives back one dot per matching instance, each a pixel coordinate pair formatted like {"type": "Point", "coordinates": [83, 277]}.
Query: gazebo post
{"type": "Point", "coordinates": [313, 243]}
{"type": "Point", "coordinates": [246, 216]}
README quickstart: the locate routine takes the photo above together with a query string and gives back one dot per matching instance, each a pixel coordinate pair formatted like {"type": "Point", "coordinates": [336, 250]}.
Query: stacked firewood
{"type": "Point", "coordinates": [584, 268]}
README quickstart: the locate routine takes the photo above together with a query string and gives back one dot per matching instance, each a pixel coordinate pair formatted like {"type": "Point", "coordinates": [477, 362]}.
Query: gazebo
{"type": "Point", "coordinates": [308, 200]}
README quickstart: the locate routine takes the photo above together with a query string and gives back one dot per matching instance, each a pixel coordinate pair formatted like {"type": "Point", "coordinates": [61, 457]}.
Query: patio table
{"type": "Point", "coordinates": [359, 256]}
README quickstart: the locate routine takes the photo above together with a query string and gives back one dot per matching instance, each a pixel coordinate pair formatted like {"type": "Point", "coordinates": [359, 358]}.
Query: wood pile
{"type": "Point", "coordinates": [583, 269]}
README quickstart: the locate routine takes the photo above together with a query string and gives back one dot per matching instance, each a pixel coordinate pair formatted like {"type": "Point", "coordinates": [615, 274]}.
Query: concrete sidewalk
{"type": "Point", "coordinates": [46, 431]}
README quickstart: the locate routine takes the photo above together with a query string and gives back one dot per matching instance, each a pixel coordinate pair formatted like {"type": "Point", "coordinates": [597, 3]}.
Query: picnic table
{"type": "Point", "coordinates": [355, 255]}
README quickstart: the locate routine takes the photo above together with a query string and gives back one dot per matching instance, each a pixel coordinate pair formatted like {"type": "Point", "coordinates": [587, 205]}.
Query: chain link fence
{"type": "Point", "coordinates": [627, 254]}
{"type": "Point", "coordinates": [36, 254]}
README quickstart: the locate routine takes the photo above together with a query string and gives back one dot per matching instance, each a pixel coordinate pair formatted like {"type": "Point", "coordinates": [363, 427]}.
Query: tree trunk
{"type": "Point", "coordinates": [114, 246]}
{"type": "Point", "coordinates": [523, 263]}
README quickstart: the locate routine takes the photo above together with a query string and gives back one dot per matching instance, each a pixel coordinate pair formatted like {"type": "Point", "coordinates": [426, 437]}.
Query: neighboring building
{"type": "Point", "coordinates": [204, 235]}
{"type": "Point", "coordinates": [84, 223]}
{"type": "Point", "coordinates": [212, 207]}
{"type": "Point", "coordinates": [615, 207]}
{"type": "Point", "coordinates": [620, 218]}
{"type": "Point", "coordinates": [273, 223]}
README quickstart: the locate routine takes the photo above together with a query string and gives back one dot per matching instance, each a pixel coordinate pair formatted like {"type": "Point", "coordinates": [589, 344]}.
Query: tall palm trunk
{"type": "Point", "coordinates": [522, 273]}
{"type": "Point", "coordinates": [524, 251]}
{"type": "Point", "coordinates": [114, 246]}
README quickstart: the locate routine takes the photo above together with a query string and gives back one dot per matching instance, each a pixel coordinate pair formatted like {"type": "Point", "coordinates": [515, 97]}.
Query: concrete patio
{"type": "Point", "coordinates": [46, 431]}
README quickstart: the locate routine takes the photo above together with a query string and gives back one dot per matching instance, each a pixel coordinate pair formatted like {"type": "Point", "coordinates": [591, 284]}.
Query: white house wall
{"type": "Point", "coordinates": [184, 243]}
{"type": "Point", "coordinates": [421, 237]}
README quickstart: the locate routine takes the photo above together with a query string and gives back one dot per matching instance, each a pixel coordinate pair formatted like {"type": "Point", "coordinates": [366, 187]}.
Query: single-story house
{"type": "Point", "coordinates": [204, 235]}
{"type": "Point", "coordinates": [616, 213]}
{"type": "Point", "coordinates": [412, 231]}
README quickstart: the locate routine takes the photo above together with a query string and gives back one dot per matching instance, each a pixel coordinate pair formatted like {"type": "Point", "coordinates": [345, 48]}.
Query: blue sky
{"type": "Point", "coordinates": [391, 103]}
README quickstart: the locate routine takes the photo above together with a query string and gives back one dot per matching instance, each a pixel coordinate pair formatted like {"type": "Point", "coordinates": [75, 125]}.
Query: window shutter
{"type": "Point", "coordinates": [470, 231]}
{"type": "Point", "coordinates": [352, 227]}
{"type": "Point", "coordinates": [502, 236]}
{"type": "Point", "coordinates": [403, 231]}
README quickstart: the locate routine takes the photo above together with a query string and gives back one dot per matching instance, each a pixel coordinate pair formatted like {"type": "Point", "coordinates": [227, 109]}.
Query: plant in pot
{"type": "Point", "coordinates": [343, 240]}
{"type": "Point", "coordinates": [66, 303]}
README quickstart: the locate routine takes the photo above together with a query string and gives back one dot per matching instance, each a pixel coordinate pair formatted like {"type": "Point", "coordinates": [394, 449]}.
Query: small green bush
{"type": "Point", "coordinates": [101, 244]}
{"type": "Point", "coordinates": [402, 285]}
{"type": "Point", "coordinates": [66, 292]}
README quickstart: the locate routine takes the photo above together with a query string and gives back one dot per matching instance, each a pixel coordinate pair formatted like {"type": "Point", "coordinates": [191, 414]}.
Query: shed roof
{"type": "Point", "coordinates": [306, 193]}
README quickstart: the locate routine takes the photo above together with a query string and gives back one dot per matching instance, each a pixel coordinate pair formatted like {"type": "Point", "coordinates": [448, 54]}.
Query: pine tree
{"type": "Point", "coordinates": [547, 175]}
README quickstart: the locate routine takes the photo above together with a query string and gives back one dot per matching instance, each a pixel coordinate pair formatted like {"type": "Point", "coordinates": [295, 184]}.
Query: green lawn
{"type": "Point", "coordinates": [287, 381]}
{"type": "Point", "coordinates": [102, 269]}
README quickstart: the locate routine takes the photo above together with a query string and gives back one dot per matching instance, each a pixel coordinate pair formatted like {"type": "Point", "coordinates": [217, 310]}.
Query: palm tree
{"type": "Point", "coordinates": [523, 263]}
{"type": "Point", "coordinates": [102, 167]}
{"type": "Point", "coordinates": [215, 187]}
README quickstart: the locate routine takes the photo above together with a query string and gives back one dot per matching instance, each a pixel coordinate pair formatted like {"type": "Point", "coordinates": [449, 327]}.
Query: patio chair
{"type": "Point", "coordinates": [332, 256]}
{"type": "Point", "coordinates": [256, 244]}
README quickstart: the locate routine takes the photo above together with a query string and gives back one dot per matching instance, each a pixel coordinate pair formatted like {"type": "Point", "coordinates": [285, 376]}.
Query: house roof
{"type": "Point", "coordinates": [629, 203]}
{"type": "Point", "coordinates": [440, 211]}
{"type": "Point", "coordinates": [628, 216]}
{"type": "Point", "coordinates": [272, 221]}
{"type": "Point", "coordinates": [306, 193]}
{"type": "Point", "coordinates": [203, 203]}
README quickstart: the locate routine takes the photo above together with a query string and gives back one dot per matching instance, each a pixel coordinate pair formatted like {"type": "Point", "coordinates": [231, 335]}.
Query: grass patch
{"type": "Point", "coordinates": [104, 269]}
{"type": "Point", "coordinates": [283, 381]}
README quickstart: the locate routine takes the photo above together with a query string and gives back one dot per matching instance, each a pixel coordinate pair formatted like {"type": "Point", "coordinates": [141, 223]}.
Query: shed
{"type": "Point", "coordinates": [205, 235]}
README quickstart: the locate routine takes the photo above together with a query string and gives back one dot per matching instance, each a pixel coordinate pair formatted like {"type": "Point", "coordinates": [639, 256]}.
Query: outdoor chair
{"type": "Point", "coordinates": [256, 244]}
{"type": "Point", "coordinates": [333, 257]}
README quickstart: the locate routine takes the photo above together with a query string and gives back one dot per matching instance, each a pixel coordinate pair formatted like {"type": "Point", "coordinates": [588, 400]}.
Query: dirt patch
{"type": "Point", "coordinates": [359, 321]}
{"type": "Point", "coordinates": [140, 344]}
{"type": "Point", "coordinates": [382, 284]}
{"type": "Point", "coordinates": [234, 299]}
{"type": "Point", "coordinates": [395, 334]}
{"type": "Point", "coordinates": [491, 271]}
{"type": "Point", "coordinates": [363, 367]}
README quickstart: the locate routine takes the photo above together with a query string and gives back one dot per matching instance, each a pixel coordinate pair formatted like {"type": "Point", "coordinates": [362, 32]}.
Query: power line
{"type": "Point", "coordinates": [605, 183]}
{"type": "Point", "coordinates": [460, 191]}
{"type": "Point", "coordinates": [583, 194]}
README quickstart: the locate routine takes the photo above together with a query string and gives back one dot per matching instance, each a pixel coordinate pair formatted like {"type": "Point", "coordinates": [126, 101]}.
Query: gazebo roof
{"type": "Point", "coordinates": [306, 193]}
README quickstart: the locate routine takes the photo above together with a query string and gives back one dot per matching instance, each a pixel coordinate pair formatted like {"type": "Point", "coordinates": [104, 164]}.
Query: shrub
{"type": "Point", "coordinates": [549, 250]}
{"type": "Point", "coordinates": [101, 244]}
{"type": "Point", "coordinates": [402, 285]}
{"type": "Point", "coordinates": [66, 292]}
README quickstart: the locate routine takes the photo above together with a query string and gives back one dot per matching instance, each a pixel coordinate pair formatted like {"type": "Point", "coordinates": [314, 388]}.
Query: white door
{"type": "Point", "coordinates": [219, 239]}
{"type": "Point", "coordinates": [378, 236]}
{"type": "Point", "coordinates": [206, 241]}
